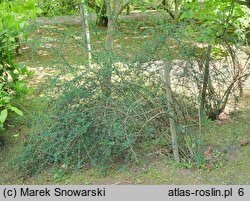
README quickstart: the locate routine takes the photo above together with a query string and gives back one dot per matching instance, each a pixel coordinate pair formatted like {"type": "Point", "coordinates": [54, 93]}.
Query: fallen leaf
{"type": "Point", "coordinates": [208, 153]}
{"type": "Point", "coordinates": [208, 167]}
{"type": "Point", "coordinates": [245, 142]}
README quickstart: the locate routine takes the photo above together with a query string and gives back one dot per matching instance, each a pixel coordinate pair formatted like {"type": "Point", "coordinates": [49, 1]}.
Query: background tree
{"type": "Point", "coordinates": [100, 9]}
{"type": "Point", "coordinates": [114, 9]}
{"type": "Point", "coordinates": [86, 30]}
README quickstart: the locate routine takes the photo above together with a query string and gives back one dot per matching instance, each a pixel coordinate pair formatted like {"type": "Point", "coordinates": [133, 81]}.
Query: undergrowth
{"type": "Point", "coordinates": [82, 127]}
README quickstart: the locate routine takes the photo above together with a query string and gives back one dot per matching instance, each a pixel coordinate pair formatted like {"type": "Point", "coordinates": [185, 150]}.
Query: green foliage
{"type": "Point", "coordinates": [14, 16]}
{"type": "Point", "coordinates": [58, 7]}
{"type": "Point", "coordinates": [222, 26]}
{"type": "Point", "coordinates": [10, 73]}
{"type": "Point", "coordinates": [216, 19]}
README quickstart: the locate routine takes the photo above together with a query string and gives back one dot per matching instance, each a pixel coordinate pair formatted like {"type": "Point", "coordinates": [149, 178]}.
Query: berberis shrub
{"type": "Point", "coordinates": [87, 128]}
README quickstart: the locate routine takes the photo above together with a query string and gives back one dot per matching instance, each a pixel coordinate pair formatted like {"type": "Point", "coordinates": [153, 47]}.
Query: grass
{"type": "Point", "coordinates": [39, 55]}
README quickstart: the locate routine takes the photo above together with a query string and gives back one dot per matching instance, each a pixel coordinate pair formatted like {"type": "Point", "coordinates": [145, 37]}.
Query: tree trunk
{"type": "Point", "coordinates": [114, 9]}
{"type": "Point", "coordinates": [205, 80]}
{"type": "Point", "coordinates": [18, 46]}
{"type": "Point", "coordinates": [107, 71]}
{"type": "Point", "coordinates": [177, 9]}
{"type": "Point", "coordinates": [110, 34]}
{"type": "Point", "coordinates": [128, 9]}
{"type": "Point", "coordinates": [85, 29]}
{"type": "Point", "coordinates": [167, 7]}
{"type": "Point", "coordinates": [102, 21]}
{"type": "Point", "coordinates": [173, 132]}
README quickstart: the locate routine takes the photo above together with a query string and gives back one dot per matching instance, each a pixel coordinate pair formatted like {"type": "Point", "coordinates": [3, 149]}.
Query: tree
{"type": "Point", "coordinates": [173, 8]}
{"type": "Point", "coordinates": [100, 9]}
{"type": "Point", "coordinates": [86, 31]}
{"type": "Point", "coordinates": [172, 121]}
{"type": "Point", "coordinates": [217, 23]}
{"type": "Point", "coordinates": [114, 9]}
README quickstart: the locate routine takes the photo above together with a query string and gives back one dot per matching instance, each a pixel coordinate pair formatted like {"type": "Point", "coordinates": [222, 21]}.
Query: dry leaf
{"type": "Point", "coordinates": [245, 142]}
{"type": "Point", "coordinates": [208, 153]}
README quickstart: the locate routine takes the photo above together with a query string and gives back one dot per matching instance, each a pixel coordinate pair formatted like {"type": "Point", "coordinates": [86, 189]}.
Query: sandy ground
{"type": "Point", "coordinates": [74, 20]}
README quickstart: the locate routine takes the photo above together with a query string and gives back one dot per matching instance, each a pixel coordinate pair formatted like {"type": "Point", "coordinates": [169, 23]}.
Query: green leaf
{"type": "Point", "coordinates": [1, 127]}
{"type": "Point", "coordinates": [3, 116]}
{"type": "Point", "coordinates": [16, 110]}
{"type": "Point", "coordinates": [16, 135]}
